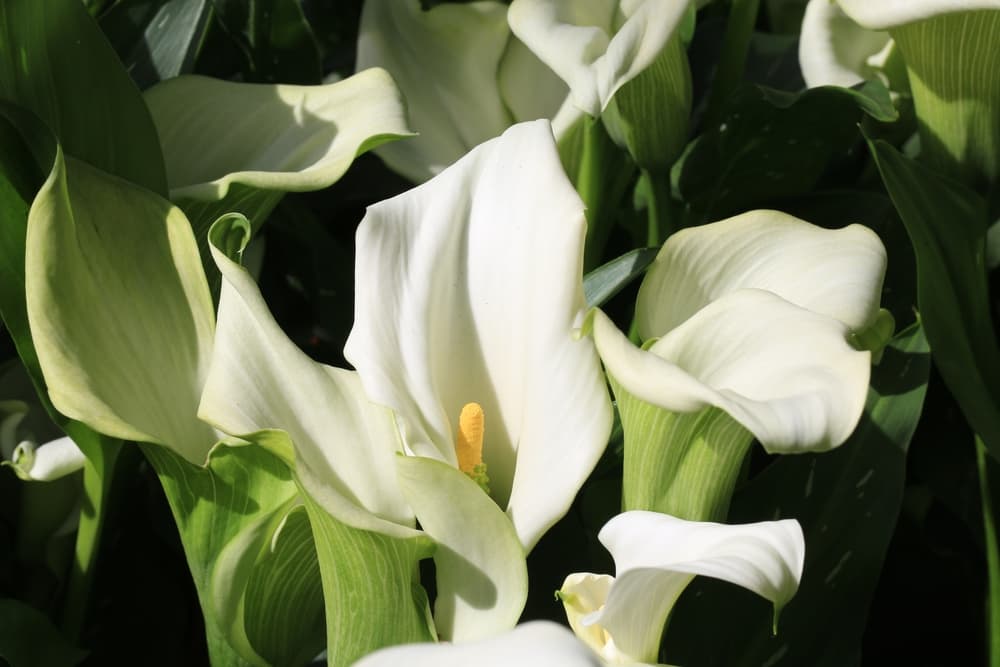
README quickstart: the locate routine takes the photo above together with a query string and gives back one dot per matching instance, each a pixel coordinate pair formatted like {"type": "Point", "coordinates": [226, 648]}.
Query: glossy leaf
{"type": "Point", "coordinates": [847, 502]}
{"type": "Point", "coordinates": [63, 56]}
{"type": "Point", "coordinates": [157, 39]}
{"type": "Point", "coordinates": [947, 226]}
{"type": "Point", "coordinates": [608, 279]}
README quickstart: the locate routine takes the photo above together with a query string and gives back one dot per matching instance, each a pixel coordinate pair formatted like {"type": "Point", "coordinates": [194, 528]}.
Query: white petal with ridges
{"type": "Point", "coordinates": [535, 644]}
{"type": "Point", "coordinates": [833, 49]}
{"type": "Point", "coordinates": [287, 138]}
{"type": "Point", "coordinates": [445, 62]}
{"type": "Point", "coordinates": [656, 555]}
{"type": "Point", "coordinates": [596, 47]}
{"type": "Point", "coordinates": [786, 374]}
{"type": "Point", "coordinates": [833, 272]}
{"type": "Point", "coordinates": [345, 446]}
{"type": "Point", "coordinates": [469, 289]}
{"type": "Point", "coordinates": [884, 14]}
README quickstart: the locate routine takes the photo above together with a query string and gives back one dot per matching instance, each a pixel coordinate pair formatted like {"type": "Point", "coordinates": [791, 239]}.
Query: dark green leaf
{"type": "Point", "coordinates": [607, 280]}
{"type": "Point", "coordinates": [68, 75]}
{"type": "Point", "coordinates": [157, 39]}
{"type": "Point", "coordinates": [947, 223]}
{"type": "Point", "coordinates": [275, 38]}
{"type": "Point", "coordinates": [772, 144]}
{"type": "Point", "coordinates": [847, 501]}
{"type": "Point", "coordinates": [28, 638]}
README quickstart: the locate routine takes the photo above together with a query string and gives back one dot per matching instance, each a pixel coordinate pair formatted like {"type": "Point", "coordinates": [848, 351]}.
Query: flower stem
{"type": "Point", "coordinates": [992, 556]}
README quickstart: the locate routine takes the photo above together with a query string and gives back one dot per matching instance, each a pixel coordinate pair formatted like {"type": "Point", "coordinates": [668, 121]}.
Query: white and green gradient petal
{"type": "Point", "coordinates": [837, 273]}
{"type": "Point", "coordinates": [469, 289]}
{"type": "Point", "coordinates": [47, 461]}
{"type": "Point", "coordinates": [656, 556]}
{"type": "Point", "coordinates": [344, 446]}
{"type": "Point", "coordinates": [445, 62]}
{"type": "Point", "coordinates": [534, 644]}
{"type": "Point", "coordinates": [285, 138]}
{"type": "Point", "coordinates": [119, 308]}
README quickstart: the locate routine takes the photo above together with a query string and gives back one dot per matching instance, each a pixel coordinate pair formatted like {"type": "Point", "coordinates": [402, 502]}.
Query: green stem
{"type": "Point", "coordinates": [992, 556]}
{"type": "Point", "coordinates": [659, 219]}
{"type": "Point", "coordinates": [99, 488]}
{"type": "Point", "coordinates": [732, 61]}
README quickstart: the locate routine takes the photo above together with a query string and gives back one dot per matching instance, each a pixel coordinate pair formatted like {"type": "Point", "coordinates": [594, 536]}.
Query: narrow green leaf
{"type": "Point", "coordinates": [608, 279]}
{"type": "Point", "coordinates": [372, 580]}
{"type": "Point", "coordinates": [947, 223]}
{"type": "Point", "coordinates": [62, 68]}
{"type": "Point", "coordinates": [157, 39]}
{"type": "Point", "coordinates": [847, 501]}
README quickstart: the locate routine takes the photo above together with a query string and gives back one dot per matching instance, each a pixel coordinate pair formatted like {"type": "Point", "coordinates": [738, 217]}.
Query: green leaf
{"type": "Point", "coordinates": [947, 223]}
{"type": "Point", "coordinates": [275, 38]}
{"type": "Point", "coordinates": [63, 69]}
{"type": "Point", "coordinates": [28, 638]}
{"type": "Point", "coordinates": [28, 151]}
{"type": "Point", "coordinates": [120, 313]}
{"type": "Point", "coordinates": [608, 279]}
{"type": "Point", "coordinates": [847, 501]}
{"type": "Point", "coordinates": [228, 514]}
{"type": "Point", "coordinates": [283, 608]}
{"type": "Point", "coordinates": [372, 580]}
{"type": "Point", "coordinates": [157, 39]}
{"type": "Point", "coordinates": [772, 144]}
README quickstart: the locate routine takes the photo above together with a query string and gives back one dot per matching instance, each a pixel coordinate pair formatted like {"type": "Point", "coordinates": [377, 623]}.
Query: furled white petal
{"type": "Point", "coordinates": [833, 272]}
{"type": "Point", "coordinates": [469, 289]}
{"type": "Point", "coordinates": [445, 62]}
{"type": "Point", "coordinates": [532, 91]}
{"type": "Point", "coordinates": [596, 47]}
{"type": "Point", "coordinates": [884, 14]}
{"type": "Point", "coordinates": [482, 577]}
{"type": "Point", "coordinates": [833, 49]}
{"type": "Point", "coordinates": [657, 555]}
{"type": "Point", "coordinates": [786, 374]}
{"type": "Point", "coordinates": [535, 644]}
{"type": "Point", "coordinates": [48, 461]}
{"type": "Point", "coordinates": [345, 446]}
{"type": "Point", "coordinates": [288, 138]}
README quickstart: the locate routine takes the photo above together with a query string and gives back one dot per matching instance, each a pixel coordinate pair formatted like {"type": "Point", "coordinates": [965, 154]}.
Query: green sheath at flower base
{"type": "Point", "coordinates": [952, 61]}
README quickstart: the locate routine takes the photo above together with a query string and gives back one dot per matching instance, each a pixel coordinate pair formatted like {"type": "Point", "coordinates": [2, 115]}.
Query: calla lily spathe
{"type": "Point", "coordinates": [656, 555]}
{"type": "Point", "coordinates": [500, 82]}
{"type": "Point", "coordinates": [469, 289]}
{"type": "Point", "coordinates": [752, 315]}
{"type": "Point", "coordinates": [535, 644]}
{"type": "Point", "coordinates": [836, 51]}
{"type": "Point", "coordinates": [30, 460]}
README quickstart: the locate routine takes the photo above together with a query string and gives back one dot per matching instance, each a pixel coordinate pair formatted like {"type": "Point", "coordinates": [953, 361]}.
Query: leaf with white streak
{"type": "Point", "coordinates": [469, 289]}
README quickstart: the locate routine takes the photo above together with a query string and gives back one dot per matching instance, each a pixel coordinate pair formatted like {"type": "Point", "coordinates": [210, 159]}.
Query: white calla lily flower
{"type": "Point", "coordinates": [469, 292]}
{"type": "Point", "coordinates": [535, 644]}
{"type": "Point", "coordinates": [836, 51]}
{"type": "Point", "coordinates": [596, 47]}
{"type": "Point", "coordinates": [47, 461]}
{"type": "Point", "coordinates": [656, 555]}
{"type": "Point", "coordinates": [886, 14]}
{"type": "Point", "coordinates": [753, 315]}
{"type": "Point", "coordinates": [499, 81]}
